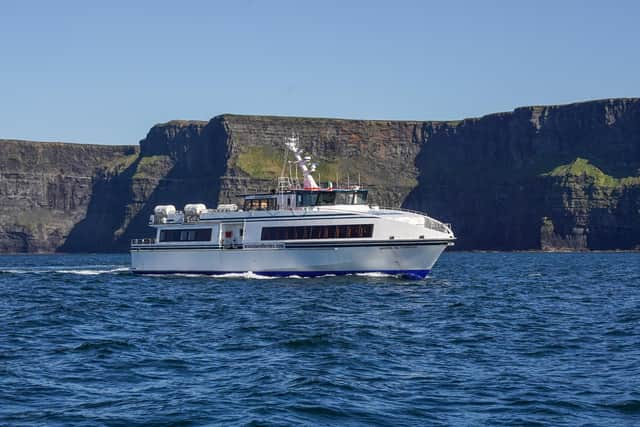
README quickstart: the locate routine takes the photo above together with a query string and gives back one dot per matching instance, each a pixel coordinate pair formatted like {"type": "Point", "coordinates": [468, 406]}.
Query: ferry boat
{"type": "Point", "coordinates": [305, 230]}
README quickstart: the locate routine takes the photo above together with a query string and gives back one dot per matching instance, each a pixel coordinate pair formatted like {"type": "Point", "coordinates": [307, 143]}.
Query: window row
{"type": "Point", "coordinates": [187, 235]}
{"type": "Point", "coordinates": [320, 198]}
{"type": "Point", "coordinates": [347, 231]}
{"type": "Point", "coordinates": [259, 204]}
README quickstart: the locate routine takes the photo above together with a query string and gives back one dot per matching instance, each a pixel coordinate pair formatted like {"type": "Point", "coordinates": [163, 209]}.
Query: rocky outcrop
{"type": "Point", "coordinates": [548, 177]}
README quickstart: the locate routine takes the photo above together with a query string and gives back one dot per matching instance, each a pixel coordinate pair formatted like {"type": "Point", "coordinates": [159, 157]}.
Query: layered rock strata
{"type": "Point", "coordinates": [543, 177]}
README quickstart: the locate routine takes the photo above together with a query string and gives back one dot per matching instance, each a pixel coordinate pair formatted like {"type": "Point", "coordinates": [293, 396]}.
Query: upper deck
{"type": "Point", "coordinates": [263, 205]}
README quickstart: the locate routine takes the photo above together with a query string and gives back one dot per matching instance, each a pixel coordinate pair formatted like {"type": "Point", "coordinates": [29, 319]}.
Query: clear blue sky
{"type": "Point", "coordinates": [82, 72]}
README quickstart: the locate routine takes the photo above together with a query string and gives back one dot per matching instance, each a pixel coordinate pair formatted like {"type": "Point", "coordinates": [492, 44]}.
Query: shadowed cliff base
{"type": "Point", "coordinates": [543, 177]}
{"type": "Point", "coordinates": [105, 213]}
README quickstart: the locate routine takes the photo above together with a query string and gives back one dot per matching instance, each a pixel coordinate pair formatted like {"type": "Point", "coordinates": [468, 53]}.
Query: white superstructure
{"type": "Point", "coordinates": [306, 231]}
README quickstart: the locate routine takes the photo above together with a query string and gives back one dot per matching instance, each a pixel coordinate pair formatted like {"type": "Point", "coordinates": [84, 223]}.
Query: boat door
{"type": "Point", "coordinates": [231, 235]}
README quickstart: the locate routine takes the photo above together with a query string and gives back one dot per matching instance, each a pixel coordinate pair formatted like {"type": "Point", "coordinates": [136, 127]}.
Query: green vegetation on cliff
{"type": "Point", "coordinates": [153, 166]}
{"type": "Point", "coordinates": [262, 162]}
{"type": "Point", "coordinates": [266, 162]}
{"type": "Point", "coordinates": [582, 168]}
{"type": "Point", "coordinates": [119, 165]}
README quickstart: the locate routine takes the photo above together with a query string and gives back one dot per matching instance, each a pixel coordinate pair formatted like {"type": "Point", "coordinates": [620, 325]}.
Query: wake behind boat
{"type": "Point", "coordinates": [305, 231]}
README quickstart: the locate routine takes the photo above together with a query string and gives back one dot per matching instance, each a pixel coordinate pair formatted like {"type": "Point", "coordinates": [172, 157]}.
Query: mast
{"type": "Point", "coordinates": [304, 163]}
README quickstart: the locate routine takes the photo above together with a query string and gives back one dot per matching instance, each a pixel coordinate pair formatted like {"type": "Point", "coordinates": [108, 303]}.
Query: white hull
{"type": "Point", "coordinates": [410, 258]}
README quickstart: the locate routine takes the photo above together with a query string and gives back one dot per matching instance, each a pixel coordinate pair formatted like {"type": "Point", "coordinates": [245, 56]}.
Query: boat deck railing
{"type": "Point", "coordinates": [436, 225]}
{"type": "Point", "coordinates": [429, 222]}
{"type": "Point", "coordinates": [179, 217]}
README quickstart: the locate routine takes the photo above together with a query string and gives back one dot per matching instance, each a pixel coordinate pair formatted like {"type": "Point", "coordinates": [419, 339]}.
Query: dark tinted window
{"type": "Point", "coordinates": [360, 197]}
{"type": "Point", "coordinates": [186, 235]}
{"type": "Point", "coordinates": [260, 204]}
{"type": "Point", "coordinates": [344, 199]}
{"type": "Point", "coordinates": [346, 231]}
{"type": "Point", "coordinates": [307, 199]}
{"type": "Point", "coordinates": [327, 198]}
{"type": "Point", "coordinates": [319, 198]}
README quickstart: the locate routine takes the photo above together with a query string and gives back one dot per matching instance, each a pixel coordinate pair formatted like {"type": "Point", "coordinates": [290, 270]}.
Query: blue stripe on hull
{"type": "Point", "coordinates": [410, 274]}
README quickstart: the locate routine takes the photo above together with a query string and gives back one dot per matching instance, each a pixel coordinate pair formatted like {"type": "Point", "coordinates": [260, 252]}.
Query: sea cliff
{"type": "Point", "coordinates": [541, 177]}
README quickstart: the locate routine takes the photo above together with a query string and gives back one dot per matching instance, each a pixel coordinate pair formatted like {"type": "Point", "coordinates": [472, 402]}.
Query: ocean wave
{"type": "Point", "coordinates": [13, 271]}
{"type": "Point", "coordinates": [631, 406]}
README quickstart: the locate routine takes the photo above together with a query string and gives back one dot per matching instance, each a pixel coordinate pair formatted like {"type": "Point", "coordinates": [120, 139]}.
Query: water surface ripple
{"type": "Point", "coordinates": [488, 339]}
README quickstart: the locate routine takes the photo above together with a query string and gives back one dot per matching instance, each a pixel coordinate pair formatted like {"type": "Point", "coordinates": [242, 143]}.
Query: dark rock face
{"type": "Point", "coordinates": [559, 177]}
{"type": "Point", "coordinates": [46, 189]}
{"type": "Point", "coordinates": [491, 177]}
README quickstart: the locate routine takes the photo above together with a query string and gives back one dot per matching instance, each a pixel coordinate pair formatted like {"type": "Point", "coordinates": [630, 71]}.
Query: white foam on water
{"type": "Point", "coordinates": [90, 272]}
{"type": "Point", "coordinates": [87, 270]}
{"type": "Point", "coordinates": [245, 275]}
{"type": "Point", "coordinates": [16, 271]}
{"type": "Point", "coordinates": [375, 274]}
{"type": "Point", "coordinates": [180, 275]}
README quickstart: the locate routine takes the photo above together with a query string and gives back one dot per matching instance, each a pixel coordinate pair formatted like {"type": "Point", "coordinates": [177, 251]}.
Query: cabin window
{"type": "Point", "coordinates": [344, 199]}
{"type": "Point", "coordinates": [307, 199]}
{"type": "Point", "coordinates": [309, 232]}
{"type": "Point", "coordinates": [186, 235]}
{"type": "Point", "coordinates": [259, 204]}
{"type": "Point", "coordinates": [328, 198]}
{"type": "Point", "coordinates": [360, 198]}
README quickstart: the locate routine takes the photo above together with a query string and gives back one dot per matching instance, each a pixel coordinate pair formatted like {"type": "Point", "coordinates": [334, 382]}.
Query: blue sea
{"type": "Point", "coordinates": [489, 339]}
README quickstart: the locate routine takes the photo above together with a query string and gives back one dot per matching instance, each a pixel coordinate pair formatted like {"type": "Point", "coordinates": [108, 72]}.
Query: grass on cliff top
{"type": "Point", "coordinates": [582, 167]}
